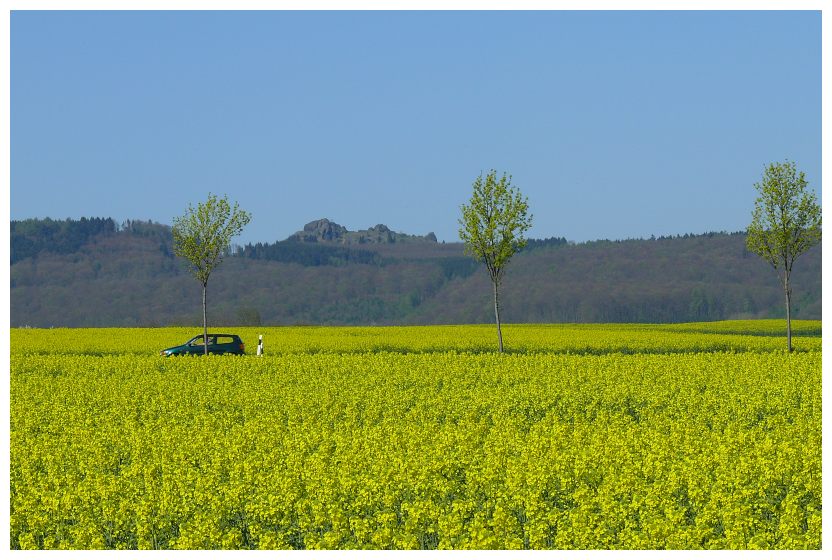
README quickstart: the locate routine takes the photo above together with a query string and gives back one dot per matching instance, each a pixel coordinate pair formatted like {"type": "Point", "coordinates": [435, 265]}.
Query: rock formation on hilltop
{"type": "Point", "coordinates": [327, 231]}
{"type": "Point", "coordinates": [320, 230]}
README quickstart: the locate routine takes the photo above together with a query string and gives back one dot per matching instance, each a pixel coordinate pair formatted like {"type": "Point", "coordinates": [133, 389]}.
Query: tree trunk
{"type": "Point", "coordinates": [788, 314]}
{"type": "Point", "coordinates": [497, 315]}
{"type": "Point", "coordinates": [205, 317]}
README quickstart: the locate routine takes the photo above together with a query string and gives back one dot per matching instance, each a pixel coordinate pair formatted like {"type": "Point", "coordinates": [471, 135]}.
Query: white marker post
{"type": "Point", "coordinates": [260, 346]}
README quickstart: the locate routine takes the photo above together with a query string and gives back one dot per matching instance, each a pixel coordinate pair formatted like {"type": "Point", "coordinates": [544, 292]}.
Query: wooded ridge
{"type": "Point", "coordinates": [93, 272]}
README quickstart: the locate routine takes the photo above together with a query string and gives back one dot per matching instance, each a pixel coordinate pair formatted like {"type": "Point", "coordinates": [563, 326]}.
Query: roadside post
{"type": "Point", "coordinates": [260, 346]}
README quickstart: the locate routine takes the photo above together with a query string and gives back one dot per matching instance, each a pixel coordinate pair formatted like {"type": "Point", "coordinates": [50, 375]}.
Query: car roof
{"type": "Point", "coordinates": [217, 334]}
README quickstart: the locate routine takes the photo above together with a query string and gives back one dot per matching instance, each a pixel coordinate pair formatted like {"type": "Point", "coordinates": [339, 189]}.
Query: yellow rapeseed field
{"type": "Point", "coordinates": [581, 437]}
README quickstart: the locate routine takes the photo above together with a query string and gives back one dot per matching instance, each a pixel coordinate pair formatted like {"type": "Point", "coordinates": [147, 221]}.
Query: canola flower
{"type": "Point", "coordinates": [728, 336]}
{"type": "Point", "coordinates": [330, 447]}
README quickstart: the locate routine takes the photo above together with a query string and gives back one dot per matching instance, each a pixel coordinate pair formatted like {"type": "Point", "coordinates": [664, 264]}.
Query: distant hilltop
{"type": "Point", "coordinates": [327, 231]}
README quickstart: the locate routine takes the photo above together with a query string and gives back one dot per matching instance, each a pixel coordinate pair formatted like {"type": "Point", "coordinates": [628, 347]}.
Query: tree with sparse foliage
{"type": "Point", "coordinates": [785, 223]}
{"type": "Point", "coordinates": [203, 236]}
{"type": "Point", "coordinates": [492, 227]}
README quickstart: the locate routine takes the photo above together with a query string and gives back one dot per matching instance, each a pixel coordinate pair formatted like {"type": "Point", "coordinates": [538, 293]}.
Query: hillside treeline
{"type": "Point", "coordinates": [306, 254]}
{"type": "Point", "coordinates": [93, 272]}
{"type": "Point", "coordinates": [30, 237]}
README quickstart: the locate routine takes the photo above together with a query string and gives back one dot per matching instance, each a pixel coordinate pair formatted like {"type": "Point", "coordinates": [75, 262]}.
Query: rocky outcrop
{"type": "Point", "coordinates": [320, 230]}
{"type": "Point", "coordinates": [327, 231]}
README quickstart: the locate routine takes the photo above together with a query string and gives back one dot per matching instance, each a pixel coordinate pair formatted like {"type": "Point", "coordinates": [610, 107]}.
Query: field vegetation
{"type": "Point", "coordinates": [685, 436]}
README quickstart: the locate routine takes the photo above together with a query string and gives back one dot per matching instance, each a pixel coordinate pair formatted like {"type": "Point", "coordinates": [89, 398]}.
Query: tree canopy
{"type": "Point", "coordinates": [203, 234]}
{"type": "Point", "coordinates": [493, 223]}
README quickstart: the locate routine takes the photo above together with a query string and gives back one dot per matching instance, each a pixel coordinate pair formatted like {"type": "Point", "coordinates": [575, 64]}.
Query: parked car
{"type": "Point", "coordinates": [217, 344]}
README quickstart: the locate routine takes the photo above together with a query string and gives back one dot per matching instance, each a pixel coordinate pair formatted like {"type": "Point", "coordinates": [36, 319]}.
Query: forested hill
{"type": "Point", "coordinates": [92, 272]}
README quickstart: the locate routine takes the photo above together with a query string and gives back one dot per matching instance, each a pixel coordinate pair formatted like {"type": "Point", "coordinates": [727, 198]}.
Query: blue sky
{"type": "Point", "coordinates": [614, 124]}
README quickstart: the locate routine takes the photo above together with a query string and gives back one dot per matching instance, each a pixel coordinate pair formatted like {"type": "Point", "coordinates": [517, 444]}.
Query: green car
{"type": "Point", "coordinates": [217, 344]}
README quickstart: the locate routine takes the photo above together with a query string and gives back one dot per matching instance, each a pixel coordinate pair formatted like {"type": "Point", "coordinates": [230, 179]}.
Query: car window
{"type": "Point", "coordinates": [225, 339]}
{"type": "Point", "coordinates": [198, 341]}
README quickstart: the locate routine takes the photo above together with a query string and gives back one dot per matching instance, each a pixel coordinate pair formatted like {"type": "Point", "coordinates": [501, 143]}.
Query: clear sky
{"type": "Point", "coordinates": [614, 124]}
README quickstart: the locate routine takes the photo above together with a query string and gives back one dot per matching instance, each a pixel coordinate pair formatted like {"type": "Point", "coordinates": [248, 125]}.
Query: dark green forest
{"type": "Point", "coordinates": [93, 272]}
